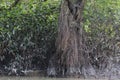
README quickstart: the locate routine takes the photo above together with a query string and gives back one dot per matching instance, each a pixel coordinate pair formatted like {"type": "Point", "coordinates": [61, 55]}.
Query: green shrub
{"type": "Point", "coordinates": [28, 31]}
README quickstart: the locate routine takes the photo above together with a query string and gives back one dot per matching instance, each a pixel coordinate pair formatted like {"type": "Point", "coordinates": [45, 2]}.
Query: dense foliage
{"type": "Point", "coordinates": [28, 31]}
{"type": "Point", "coordinates": [27, 34]}
{"type": "Point", "coordinates": [101, 23]}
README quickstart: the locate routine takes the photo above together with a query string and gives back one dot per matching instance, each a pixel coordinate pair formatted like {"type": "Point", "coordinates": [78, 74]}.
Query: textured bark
{"type": "Point", "coordinates": [70, 58]}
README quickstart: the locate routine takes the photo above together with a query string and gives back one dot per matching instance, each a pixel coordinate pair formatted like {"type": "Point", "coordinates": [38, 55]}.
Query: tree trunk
{"type": "Point", "coordinates": [70, 58]}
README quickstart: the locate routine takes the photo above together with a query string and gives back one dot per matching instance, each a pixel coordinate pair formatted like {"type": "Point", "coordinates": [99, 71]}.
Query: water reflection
{"type": "Point", "coordinates": [43, 78]}
{"type": "Point", "coordinates": [22, 78]}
